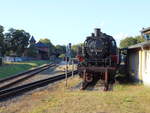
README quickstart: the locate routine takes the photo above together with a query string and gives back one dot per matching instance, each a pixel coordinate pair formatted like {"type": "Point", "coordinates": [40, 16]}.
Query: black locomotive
{"type": "Point", "coordinates": [98, 57]}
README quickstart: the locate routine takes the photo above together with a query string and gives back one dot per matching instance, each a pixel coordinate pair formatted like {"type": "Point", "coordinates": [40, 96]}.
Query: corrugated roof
{"type": "Point", "coordinates": [139, 45]}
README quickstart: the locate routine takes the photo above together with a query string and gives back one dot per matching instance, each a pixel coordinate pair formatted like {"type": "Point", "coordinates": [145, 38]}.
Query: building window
{"type": "Point", "coordinates": [147, 36]}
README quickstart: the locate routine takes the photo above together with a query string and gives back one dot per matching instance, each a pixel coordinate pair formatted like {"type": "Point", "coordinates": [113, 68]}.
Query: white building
{"type": "Point", "coordinates": [139, 59]}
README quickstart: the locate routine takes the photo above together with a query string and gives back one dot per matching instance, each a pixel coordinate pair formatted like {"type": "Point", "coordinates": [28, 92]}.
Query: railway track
{"type": "Point", "coordinates": [97, 85]}
{"type": "Point", "coordinates": [11, 92]}
{"type": "Point", "coordinates": [16, 79]}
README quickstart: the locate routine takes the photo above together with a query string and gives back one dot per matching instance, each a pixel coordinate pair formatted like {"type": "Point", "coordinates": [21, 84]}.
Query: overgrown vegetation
{"type": "Point", "coordinates": [12, 68]}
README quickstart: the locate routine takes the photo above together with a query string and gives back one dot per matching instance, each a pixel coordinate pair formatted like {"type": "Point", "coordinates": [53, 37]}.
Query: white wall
{"type": "Point", "coordinates": [146, 67]}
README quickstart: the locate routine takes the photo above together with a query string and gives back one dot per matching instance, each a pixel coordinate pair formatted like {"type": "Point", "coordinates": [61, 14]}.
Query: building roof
{"type": "Point", "coordinates": [40, 44]}
{"type": "Point", "coordinates": [32, 39]}
{"type": "Point", "coordinates": [139, 45]}
{"type": "Point", "coordinates": [144, 30]}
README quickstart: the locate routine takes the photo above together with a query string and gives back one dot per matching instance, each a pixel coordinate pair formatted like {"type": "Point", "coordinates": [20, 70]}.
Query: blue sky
{"type": "Point", "coordinates": [64, 21]}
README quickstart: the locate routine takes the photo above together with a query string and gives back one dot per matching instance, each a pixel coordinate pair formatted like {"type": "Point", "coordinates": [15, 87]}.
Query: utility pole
{"type": "Point", "coordinates": [72, 68]}
{"type": "Point", "coordinates": [67, 59]}
{"type": "Point", "coordinates": [66, 71]}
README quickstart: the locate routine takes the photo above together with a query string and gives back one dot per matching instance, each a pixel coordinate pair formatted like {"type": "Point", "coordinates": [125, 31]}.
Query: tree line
{"type": "Point", "coordinates": [13, 41]}
{"type": "Point", "coordinates": [16, 41]}
{"type": "Point", "coordinates": [128, 41]}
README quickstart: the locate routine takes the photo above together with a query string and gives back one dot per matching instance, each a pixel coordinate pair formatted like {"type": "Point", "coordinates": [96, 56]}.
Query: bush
{"type": "Point", "coordinates": [62, 56]}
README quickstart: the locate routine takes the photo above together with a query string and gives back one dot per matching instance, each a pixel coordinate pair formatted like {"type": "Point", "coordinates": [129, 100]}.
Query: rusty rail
{"type": "Point", "coordinates": [9, 93]}
{"type": "Point", "coordinates": [12, 80]}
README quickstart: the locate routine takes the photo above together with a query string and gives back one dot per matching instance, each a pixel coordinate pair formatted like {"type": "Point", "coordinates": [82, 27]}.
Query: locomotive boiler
{"type": "Point", "coordinates": [98, 58]}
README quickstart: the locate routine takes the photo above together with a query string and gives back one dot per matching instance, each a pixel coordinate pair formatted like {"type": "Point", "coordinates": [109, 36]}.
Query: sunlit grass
{"type": "Point", "coordinates": [130, 98]}
{"type": "Point", "coordinates": [123, 99]}
{"type": "Point", "coordinates": [10, 68]}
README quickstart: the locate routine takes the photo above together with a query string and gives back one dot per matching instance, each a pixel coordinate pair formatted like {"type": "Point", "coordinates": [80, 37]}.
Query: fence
{"type": "Point", "coordinates": [16, 59]}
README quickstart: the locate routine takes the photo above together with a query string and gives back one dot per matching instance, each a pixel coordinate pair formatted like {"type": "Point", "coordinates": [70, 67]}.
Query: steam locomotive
{"type": "Point", "coordinates": [98, 58]}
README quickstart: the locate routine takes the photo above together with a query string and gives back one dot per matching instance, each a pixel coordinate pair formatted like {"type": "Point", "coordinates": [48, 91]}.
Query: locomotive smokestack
{"type": "Point", "coordinates": [92, 34]}
{"type": "Point", "coordinates": [97, 31]}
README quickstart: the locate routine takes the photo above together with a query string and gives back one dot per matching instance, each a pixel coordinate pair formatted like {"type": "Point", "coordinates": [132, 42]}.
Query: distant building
{"type": "Point", "coordinates": [42, 50]}
{"type": "Point", "coordinates": [32, 41]}
{"type": "Point", "coordinates": [139, 59]}
{"type": "Point", "coordinates": [145, 32]}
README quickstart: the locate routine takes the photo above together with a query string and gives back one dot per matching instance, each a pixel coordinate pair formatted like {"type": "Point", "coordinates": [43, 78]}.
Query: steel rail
{"type": "Point", "coordinates": [19, 78]}
{"type": "Point", "coordinates": [20, 74]}
{"type": "Point", "coordinates": [11, 92]}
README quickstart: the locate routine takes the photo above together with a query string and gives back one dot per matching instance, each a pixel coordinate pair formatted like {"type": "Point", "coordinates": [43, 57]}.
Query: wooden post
{"type": "Point", "coordinates": [66, 71]}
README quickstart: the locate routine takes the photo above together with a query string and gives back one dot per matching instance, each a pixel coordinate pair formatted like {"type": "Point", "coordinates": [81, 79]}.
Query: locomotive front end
{"type": "Point", "coordinates": [97, 56]}
{"type": "Point", "coordinates": [95, 46]}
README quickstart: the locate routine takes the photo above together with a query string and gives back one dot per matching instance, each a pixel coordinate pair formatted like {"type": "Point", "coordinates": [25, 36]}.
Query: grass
{"type": "Point", "coordinates": [11, 68]}
{"type": "Point", "coordinates": [59, 99]}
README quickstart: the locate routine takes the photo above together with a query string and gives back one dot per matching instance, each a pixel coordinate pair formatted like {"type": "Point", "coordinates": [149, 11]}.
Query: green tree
{"type": "Point", "coordinates": [17, 41]}
{"type": "Point", "coordinates": [2, 46]}
{"type": "Point", "coordinates": [45, 41]}
{"type": "Point", "coordinates": [60, 49]}
{"type": "Point", "coordinates": [74, 49]}
{"type": "Point", "coordinates": [128, 41]}
{"type": "Point", "coordinates": [139, 39]}
{"type": "Point", "coordinates": [62, 56]}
